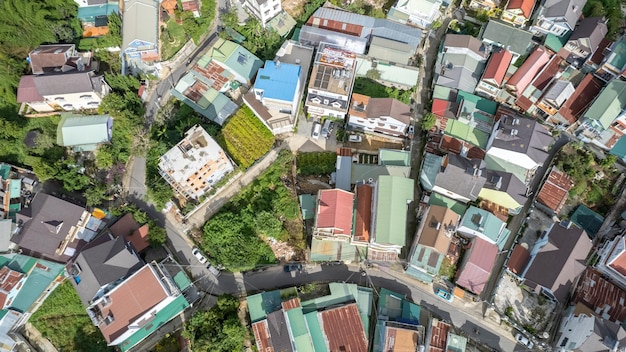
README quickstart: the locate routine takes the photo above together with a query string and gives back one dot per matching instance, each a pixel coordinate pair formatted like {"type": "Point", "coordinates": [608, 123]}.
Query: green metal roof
{"type": "Point", "coordinates": [261, 304]}
{"type": "Point", "coordinates": [456, 343]}
{"type": "Point", "coordinates": [556, 43]}
{"type": "Point", "coordinates": [587, 219]}
{"type": "Point", "coordinates": [182, 281]}
{"type": "Point", "coordinates": [619, 149]}
{"type": "Point", "coordinates": [237, 58]}
{"type": "Point", "coordinates": [5, 171]}
{"type": "Point", "coordinates": [164, 315]}
{"type": "Point", "coordinates": [394, 157]}
{"type": "Point", "coordinates": [363, 172]}
{"type": "Point", "coordinates": [21, 263]}
{"type": "Point", "coordinates": [323, 251]}
{"type": "Point", "coordinates": [283, 23]}
{"type": "Point", "coordinates": [438, 199]}
{"type": "Point", "coordinates": [467, 133]}
{"type": "Point", "coordinates": [315, 329]}
{"type": "Point", "coordinates": [490, 226]}
{"type": "Point", "coordinates": [89, 13]}
{"type": "Point", "coordinates": [393, 195]}
{"type": "Point", "coordinates": [430, 169]}
{"type": "Point", "coordinates": [480, 103]}
{"type": "Point", "coordinates": [617, 58]}
{"type": "Point", "coordinates": [38, 280]}
{"type": "Point", "coordinates": [307, 205]}
{"type": "Point", "coordinates": [608, 105]}
{"type": "Point", "coordinates": [84, 131]}
{"type": "Point", "coordinates": [423, 263]}
{"type": "Point", "coordinates": [15, 188]}
{"type": "Point", "coordinates": [299, 331]}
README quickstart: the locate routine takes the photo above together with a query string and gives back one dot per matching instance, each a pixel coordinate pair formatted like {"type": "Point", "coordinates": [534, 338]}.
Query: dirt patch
{"type": "Point", "coordinates": [294, 7]}
{"type": "Point", "coordinates": [285, 252]}
{"type": "Point", "coordinates": [531, 311]}
{"type": "Point", "coordinates": [372, 143]}
{"type": "Point", "coordinates": [311, 185]}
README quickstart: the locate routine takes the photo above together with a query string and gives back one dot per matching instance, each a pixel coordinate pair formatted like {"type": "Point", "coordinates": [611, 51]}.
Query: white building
{"type": "Point", "coordinates": [382, 115]}
{"type": "Point", "coordinates": [263, 10]}
{"type": "Point", "coordinates": [612, 261]}
{"type": "Point", "coordinates": [420, 13]}
{"type": "Point", "coordinates": [195, 164]}
{"type": "Point", "coordinates": [558, 17]}
{"type": "Point", "coordinates": [68, 92]}
{"type": "Point", "coordinates": [331, 83]}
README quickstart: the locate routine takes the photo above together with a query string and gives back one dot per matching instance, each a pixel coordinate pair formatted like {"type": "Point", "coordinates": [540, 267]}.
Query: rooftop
{"type": "Point", "coordinates": [508, 183]}
{"type": "Point", "coordinates": [497, 66]}
{"type": "Point", "coordinates": [608, 105]}
{"type": "Point", "coordinates": [236, 58]}
{"type": "Point", "coordinates": [555, 190]}
{"type": "Point", "coordinates": [373, 108]}
{"type": "Point", "coordinates": [454, 173]}
{"type": "Point", "coordinates": [513, 39]}
{"type": "Point", "coordinates": [335, 211]}
{"type": "Point", "coordinates": [579, 101]}
{"type": "Point", "coordinates": [477, 265]}
{"type": "Point", "coordinates": [524, 136]}
{"type": "Point", "coordinates": [48, 58]}
{"type": "Point", "coordinates": [486, 223]}
{"type": "Point", "coordinates": [526, 6]}
{"type": "Point", "coordinates": [140, 22]}
{"type": "Point", "coordinates": [84, 132]}
{"type": "Point", "coordinates": [518, 260]}
{"type": "Point", "coordinates": [362, 221]}
{"type": "Point", "coordinates": [601, 296]}
{"type": "Point", "coordinates": [571, 10]}
{"type": "Point", "coordinates": [278, 80]}
{"type": "Point", "coordinates": [333, 70]}
{"type": "Point", "coordinates": [587, 219]}
{"type": "Point", "coordinates": [393, 195]}
{"type": "Point", "coordinates": [438, 222]}
{"type": "Point", "coordinates": [439, 331]}
{"type": "Point", "coordinates": [343, 328]}
{"type": "Point", "coordinates": [589, 32]}
{"type": "Point", "coordinates": [529, 69]}
{"type": "Point", "coordinates": [35, 88]}
{"type": "Point", "coordinates": [203, 98]}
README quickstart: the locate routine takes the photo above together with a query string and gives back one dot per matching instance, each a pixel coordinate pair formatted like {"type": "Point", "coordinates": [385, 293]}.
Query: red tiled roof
{"type": "Point", "coordinates": [598, 55]}
{"type": "Point", "coordinates": [581, 99]}
{"type": "Point", "coordinates": [291, 304]}
{"type": "Point", "coordinates": [523, 102]}
{"type": "Point", "coordinates": [344, 152]}
{"type": "Point", "coordinates": [438, 335]}
{"type": "Point", "coordinates": [477, 266]}
{"type": "Point", "coordinates": [214, 73]}
{"type": "Point", "coordinates": [497, 66]}
{"type": "Point", "coordinates": [130, 300]}
{"type": "Point", "coordinates": [601, 296]}
{"type": "Point", "coordinates": [359, 100]}
{"type": "Point", "coordinates": [443, 108]}
{"type": "Point", "coordinates": [451, 144]}
{"type": "Point", "coordinates": [343, 329]}
{"type": "Point", "coordinates": [619, 262]}
{"type": "Point", "coordinates": [190, 5]}
{"type": "Point", "coordinates": [363, 213]}
{"type": "Point", "coordinates": [139, 239]}
{"type": "Point", "coordinates": [548, 73]}
{"type": "Point", "coordinates": [262, 336]}
{"type": "Point", "coordinates": [525, 5]}
{"type": "Point", "coordinates": [518, 260]}
{"type": "Point", "coordinates": [334, 210]}
{"type": "Point", "coordinates": [525, 74]}
{"type": "Point", "coordinates": [555, 190]}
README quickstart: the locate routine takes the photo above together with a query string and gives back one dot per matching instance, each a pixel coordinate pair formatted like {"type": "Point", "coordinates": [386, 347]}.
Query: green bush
{"type": "Point", "coordinates": [217, 329]}
{"type": "Point", "coordinates": [316, 163]}
{"type": "Point", "coordinates": [245, 138]}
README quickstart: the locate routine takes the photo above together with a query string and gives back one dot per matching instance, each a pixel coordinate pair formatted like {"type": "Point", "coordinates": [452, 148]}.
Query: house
{"type": "Point", "coordinates": [135, 308]}
{"type": "Point", "coordinates": [581, 330]}
{"type": "Point", "coordinates": [493, 77]}
{"type": "Point", "coordinates": [277, 92]}
{"type": "Point", "coordinates": [381, 115]}
{"type": "Point", "coordinates": [529, 69]}
{"type": "Point", "coordinates": [263, 10]}
{"type": "Point", "coordinates": [192, 5]}
{"type": "Point", "coordinates": [330, 88]}
{"type": "Point", "coordinates": [517, 12]}
{"type": "Point", "coordinates": [55, 58]}
{"type": "Point", "coordinates": [355, 32]}
{"type": "Point", "coordinates": [84, 133]}
{"type": "Point", "coordinates": [614, 61]}
{"type": "Point", "coordinates": [432, 241]}
{"type": "Point", "coordinates": [216, 78]}
{"type": "Point", "coordinates": [57, 92]}
{"type": "Point", "coordinates": [515, 40]}
{"type": "Point", "coordinates": [554, 192]}
{"type": "Point", "coordinates": [439, 332]}
{"type": "Point", "coordinates": [556, 261]}
{"type": "Point", "coordinates": [477, 264]}
{"type": "Point", "coordinates": [558, 17]}
{"type": "Point", "coordinates": [100, 264]}
{"type": "Point", "coordinates": [518, 260]}
{"type": "Point", "coordinates": [587, 37]}
{"type": "Point", "coordinates": [8, 321]}
{"type": "Point", "coordinates": [612, 260]}
{"type": "Point", "coordinates": [587, 219]}
{"type": "Point", "coordinates": [11, 198]}
{"type": "Point", "coordinates": [334, 214]}
{"type": "Point", "coordinates": [478, 222]}
{"type": "Point", "coordinates": [555, 96]}
{"type": "Point", "coordinates": [518, 145]}
{"type": "Point", "coordinates": [134, 234]}
{"type": "Point", "coordinates": [389, 74]}
{"type": "Point", "coordinates": [95, 18]}
{"type": "Point", "coordinates": [140, 37]}
{"type": "Point", "coordinates": [391, 162]}
{"type": "Point", "coordinates": [579, 101]}
{"type": "Point", "coordinates": [397, 325]}
{"type": "Point", "coordinates": [601, 296]}
{"type": "Point", "coordinates": [53, 229]}
{"type": "Point", "coordinates": [504, 191]}
{"type": "Point", "coordinates": [453, 176]}
{"type": "Point", "coordinates": [333, 322]}
{"type": "Point", "coordinates": [392, 197]}
{"type": "Point", "coordinates": [11, 282]}
{"type": "Point", "coordinates": [464, 121]}
{"type": "Point", "coordinates": [460, 62]}
{"type": "Point", "coordinates": [619, 149]}
{"type": "Point", "coordinates": [363, 214]}
{"type": "Point", "coordinates": [604, 123]}
{"type": "Point", "coordinates": [195, 164]}
{"type": "Point", "coordinates": [419, 13]}
{"type": "Point", "coordinates": [485, 5]}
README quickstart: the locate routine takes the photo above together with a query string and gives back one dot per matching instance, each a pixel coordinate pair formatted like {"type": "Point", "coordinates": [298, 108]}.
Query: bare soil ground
{"type": "Point", "coordinates": [294, 7]}
{"type": "Point", "coordinates": [312, 184]}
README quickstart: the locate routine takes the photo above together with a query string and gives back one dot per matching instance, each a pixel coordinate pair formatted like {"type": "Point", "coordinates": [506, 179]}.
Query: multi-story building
{"type": "Point", "coordinates": [604, 123]}
{"type": "Point", "coordinates": [492, 79]}
{"type": "Point", "coordinates": [558, 17]}
{"type": "Point", "coordinates": [383, 115]}
{"type": "Point", "coordinates": [331, 82]}
{"type": "Point", "coordinates": [195, 164]}
{"type": "Point", "coordinates": [263, 10]}
{"type": "Point", "coordinates": [419, 13]}
{"type": "Point", "coordinates": [140, 37]}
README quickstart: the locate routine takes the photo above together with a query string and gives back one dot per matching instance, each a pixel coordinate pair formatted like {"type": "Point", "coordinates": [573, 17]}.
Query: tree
{"type": "Point", "coordinates": [156, 235]}
{"type": "Point", "coordinates": [428, 121]}
{"type": "Point", "coordinates": [95, 194]}
{"type": "Point", "coordinates": [373, 74]}
{"type": "Point", "coordinates": [268, 224]}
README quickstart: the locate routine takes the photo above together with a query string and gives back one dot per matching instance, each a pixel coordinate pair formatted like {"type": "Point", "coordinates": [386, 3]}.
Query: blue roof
{"type": "Point", "coordinates": [278, 81]}
{"type": "Point", "coordinates": [587, 219]}
{"type": "Point", "coordinates": [619, 149]}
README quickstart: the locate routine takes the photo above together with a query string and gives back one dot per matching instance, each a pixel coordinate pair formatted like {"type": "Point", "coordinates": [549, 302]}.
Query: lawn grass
{"type": "Point", "coordinates": [371, 88]}
{"type": "Point", "coordinates": [63, 320]}
{"type": "Point", "coordinates": [245, 138]}
{"type": "Point", "coordinates": [177, 38]}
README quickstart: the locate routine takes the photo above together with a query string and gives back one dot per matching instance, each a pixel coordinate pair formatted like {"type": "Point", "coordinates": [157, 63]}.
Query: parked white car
{"type": "Point", "coordinates": [196, 253]}
{"type": "Point", "coordinates": [521, 339]}
{"type": "Point", "coordinates": [355, 138]}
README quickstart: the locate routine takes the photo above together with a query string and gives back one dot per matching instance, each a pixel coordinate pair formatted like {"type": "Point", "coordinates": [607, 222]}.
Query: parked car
{"type": "Point", "coordinates": [443, 294]}
{"type": "Point", "coordinates": [326, 129]}
{"type": "Point", "coordinates": [523, 340]}
{"type": "Point", "coordinates": [411, 131]}
{"type": "Point", "coordinates": [292, 267]}
{"type": "Point", "coordinates": [355, 138]}
{"type": "Point", "coordinates": [196, 253]}
{"type": "Point", "coordinates": [317, 129]}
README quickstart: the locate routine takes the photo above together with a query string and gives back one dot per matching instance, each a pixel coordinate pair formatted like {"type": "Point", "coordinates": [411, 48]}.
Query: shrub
{"type": "Point", "coordinates": [316, 163]}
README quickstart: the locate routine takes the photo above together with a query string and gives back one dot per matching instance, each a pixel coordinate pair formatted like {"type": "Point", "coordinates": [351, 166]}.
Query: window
{"type": "Point", "coordinates": [109, 319]}
{"type": "Point", "coordinates": [86, 96]}
{"type": "Point", "coordinates": [325, 22]}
